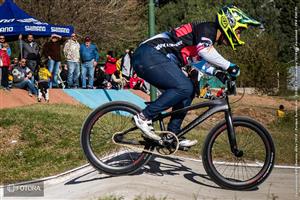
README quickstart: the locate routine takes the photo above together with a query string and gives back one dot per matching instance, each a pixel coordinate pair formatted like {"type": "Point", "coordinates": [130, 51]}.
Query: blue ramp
{"type": "Point", "coordinates": [95, 98]}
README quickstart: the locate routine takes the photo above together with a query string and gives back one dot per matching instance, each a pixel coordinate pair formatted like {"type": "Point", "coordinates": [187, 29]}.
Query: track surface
{"type": "Point", "coordinates": [174, 178]}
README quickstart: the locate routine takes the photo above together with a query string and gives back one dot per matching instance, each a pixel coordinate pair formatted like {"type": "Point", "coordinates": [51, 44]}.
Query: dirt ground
{"type": "Point", "coordinates": [18, 97]}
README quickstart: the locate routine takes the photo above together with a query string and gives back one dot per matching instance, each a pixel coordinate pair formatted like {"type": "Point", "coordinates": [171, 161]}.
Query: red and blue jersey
{"type": "Point", "coordinates": [185, 42]}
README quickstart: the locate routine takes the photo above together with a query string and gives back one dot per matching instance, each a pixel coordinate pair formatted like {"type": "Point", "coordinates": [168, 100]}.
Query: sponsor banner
{"type": "Point", "coordinates": [59, 30]}
{"type": "Point", "coordinates": [8, 29]}
{"type": "Point", "coordinates": [35, 28]}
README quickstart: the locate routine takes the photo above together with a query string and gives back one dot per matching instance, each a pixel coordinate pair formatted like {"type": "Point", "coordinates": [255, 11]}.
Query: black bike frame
{"type": "Point", "coordinates": [214, 106]}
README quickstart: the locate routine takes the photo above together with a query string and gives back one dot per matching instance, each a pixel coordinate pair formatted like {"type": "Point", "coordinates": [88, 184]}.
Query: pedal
{"type": "Point", "coordinates": [169, 143]}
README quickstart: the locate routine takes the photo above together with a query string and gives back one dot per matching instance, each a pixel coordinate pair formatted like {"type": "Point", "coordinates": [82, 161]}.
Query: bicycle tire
{"type": "Point", "coordinates": [213, 164]}
{"type": "Point", "coordinates": [99, 162]}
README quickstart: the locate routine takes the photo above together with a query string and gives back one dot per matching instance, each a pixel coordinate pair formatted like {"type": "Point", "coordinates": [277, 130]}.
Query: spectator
{"type": "Point", "coordinates": [21, 77]}
{"type": "Point", "coordinates": [43, 82]}
{"type": "Point", "coordinates": [126, 64]}
{"type": "Point", "coordinates": [100, 78]}
{"type": "Point", "coordinates": [206, 92]}
{"type": "Point", "coordinates": [52, 51]}
{"type": "Point", "coordinates": [118, 81]}
{"type": "Point", "coordinates": [4, 65]}
{"type": "Point", "coordinates": [14, 64]}
{"type": "Point", "coordinates": [31, 52]}
{"type": "Point", "coordinates": [2, 41]}
{"type": "Point", "coordinates": [89, 56]}
{"type": "Point", "coordinates": [11, 67]}
{"type": "Point", "coordinates": [280, 113]}
{"type": "Point", "coordinates": [72, 53]}
{"type": "Point", "coordinates": [64, 73]}
{"type": "Point", "coordinates": [137, 83]}
{"type": "Point", "coordinates": [221, 93]}
{"type": "Point", "coordinates": [110, 64]}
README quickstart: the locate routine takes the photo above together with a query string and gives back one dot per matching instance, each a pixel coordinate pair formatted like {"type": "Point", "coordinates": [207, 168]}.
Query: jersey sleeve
{"type": "Point", "coordinates": [205, 36]}
{"type": "Point", "coordinates": [211, 55]}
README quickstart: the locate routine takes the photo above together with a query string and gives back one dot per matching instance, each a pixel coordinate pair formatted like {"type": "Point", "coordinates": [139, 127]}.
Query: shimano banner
{"type": "Point", "coordinates": [14, 21]}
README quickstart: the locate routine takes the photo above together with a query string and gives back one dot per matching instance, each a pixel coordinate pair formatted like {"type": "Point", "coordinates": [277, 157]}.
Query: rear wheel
{"type": "Point", "coordinates": [100, 149]}
{"type": "Point", "coordinates": [249, 169]}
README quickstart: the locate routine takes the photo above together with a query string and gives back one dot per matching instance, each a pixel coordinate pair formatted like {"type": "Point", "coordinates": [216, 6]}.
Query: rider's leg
{"type": "Point", "coordinates": [176, 121]}
{"type": "Point", "coordinates": [163, 73]}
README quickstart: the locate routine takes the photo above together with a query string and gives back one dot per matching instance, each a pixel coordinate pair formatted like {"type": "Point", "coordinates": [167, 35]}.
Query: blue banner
{"type": "Point", "coordinates": [14, 21]}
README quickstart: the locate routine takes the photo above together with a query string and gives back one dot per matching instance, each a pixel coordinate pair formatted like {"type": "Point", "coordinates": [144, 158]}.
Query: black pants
{"type": "Point", "coordinates": [4, 78]}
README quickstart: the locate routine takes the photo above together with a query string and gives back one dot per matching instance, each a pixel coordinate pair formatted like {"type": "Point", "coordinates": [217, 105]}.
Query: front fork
{"type": "Point", "coordinates": [231, 134]}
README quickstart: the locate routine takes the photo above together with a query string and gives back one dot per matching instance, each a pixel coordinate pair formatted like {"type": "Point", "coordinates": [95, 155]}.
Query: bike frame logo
{"type": "Point", "coordinates": [24, 190]}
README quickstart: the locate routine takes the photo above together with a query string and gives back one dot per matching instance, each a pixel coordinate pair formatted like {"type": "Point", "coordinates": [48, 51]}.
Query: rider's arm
{"type": "Point", "coordinates": [207, 51]}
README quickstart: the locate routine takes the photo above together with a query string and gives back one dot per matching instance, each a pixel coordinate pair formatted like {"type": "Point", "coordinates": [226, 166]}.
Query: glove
{"type": "Point", "coordinates": [233, 70]}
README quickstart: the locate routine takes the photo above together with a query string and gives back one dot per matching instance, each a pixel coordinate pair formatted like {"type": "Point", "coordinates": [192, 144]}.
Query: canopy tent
{"type": "Point", "coordinates": [15, 21]}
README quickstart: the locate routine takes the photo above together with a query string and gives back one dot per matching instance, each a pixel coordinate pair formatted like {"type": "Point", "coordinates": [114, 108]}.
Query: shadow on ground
{"type": "Point", "coordinates": [157, 166]}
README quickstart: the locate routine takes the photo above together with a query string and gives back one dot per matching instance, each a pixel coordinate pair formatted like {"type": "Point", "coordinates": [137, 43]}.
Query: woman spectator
{"type": "Point", "coordinates": [118, 81]}
{"type": "Point", "coordinates": [137, 83]}
{"type": "Point", "coordinates": [4, 64]}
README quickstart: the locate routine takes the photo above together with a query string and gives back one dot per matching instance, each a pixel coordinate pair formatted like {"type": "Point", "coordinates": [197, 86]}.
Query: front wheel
{"type": "Point", "coordinates": [239, 172]}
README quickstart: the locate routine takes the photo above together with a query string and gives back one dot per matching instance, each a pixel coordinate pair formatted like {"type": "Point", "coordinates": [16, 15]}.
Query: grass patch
{"type": "Point", "coordinates": [39, 141]}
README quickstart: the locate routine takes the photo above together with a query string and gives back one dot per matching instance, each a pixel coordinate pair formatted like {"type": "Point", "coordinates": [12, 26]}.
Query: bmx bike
{"type": "Point", "coordinates": [238, 153]}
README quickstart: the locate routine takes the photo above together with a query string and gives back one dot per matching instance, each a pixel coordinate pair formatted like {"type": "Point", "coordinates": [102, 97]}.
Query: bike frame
{"type": "Point", "coordinates": [214, 106]}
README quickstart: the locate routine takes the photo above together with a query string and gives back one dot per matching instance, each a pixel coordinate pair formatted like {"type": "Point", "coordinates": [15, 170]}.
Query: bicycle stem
{"type": "Point", "coordinates": [231, 131]}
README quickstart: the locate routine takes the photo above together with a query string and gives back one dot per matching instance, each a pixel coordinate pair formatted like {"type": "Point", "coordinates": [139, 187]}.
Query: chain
{"type": "Point", "coordinates": [160, 149]}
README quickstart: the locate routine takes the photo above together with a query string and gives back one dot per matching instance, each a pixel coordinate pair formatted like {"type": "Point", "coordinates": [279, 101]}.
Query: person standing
{"type": "Point", "coordinates": [30, 51]}
{"type": "Point", "coordinates": [52, 51]}
{"type": "Point", "coordinates": [126, 64]}
{"type": "Point", "coordinates": [4, 65]}
{"type": "Point", "coordinates": [8, 50]}
{"type": "Point", "coordinates": [72, 54]}
{"type": "Point", "coordinates": [89, 56]}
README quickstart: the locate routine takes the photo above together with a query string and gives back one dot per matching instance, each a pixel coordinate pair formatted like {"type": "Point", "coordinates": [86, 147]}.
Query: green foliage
{"type": "Point", "coordinates": [121, 24]}
{"type": "Point", "coordinates": [265, 53]}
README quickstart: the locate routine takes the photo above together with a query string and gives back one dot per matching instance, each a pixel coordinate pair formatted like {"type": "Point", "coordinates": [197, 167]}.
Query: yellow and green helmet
{"type": "Point", "coordinates": [230, 18]}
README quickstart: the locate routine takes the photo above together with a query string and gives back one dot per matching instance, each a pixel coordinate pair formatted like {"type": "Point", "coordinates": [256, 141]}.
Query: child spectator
{"type": "Point", "coordinates": [206, 92]}
{"type": "Point", "coordinates": [64, 71]}
{"type": "Point", "coordinates": [280, 113]}
{"type": "Point", "coordinates": [10, 76]}
{"type": "Point", "coordinates": [43, 83]}
{"type": "Point", "coordinates": [4, 64]}
{"type": "Point", "coordinates": [221, 93]}
{"type": "Point", "coordinates": [137, 83]}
